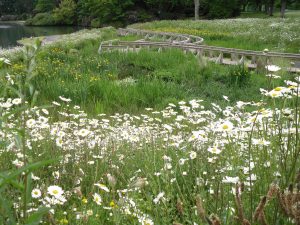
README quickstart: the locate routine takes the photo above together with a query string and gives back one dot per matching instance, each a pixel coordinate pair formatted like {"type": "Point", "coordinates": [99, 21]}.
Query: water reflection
{"type": "Point", "coordinates": [10, 33]}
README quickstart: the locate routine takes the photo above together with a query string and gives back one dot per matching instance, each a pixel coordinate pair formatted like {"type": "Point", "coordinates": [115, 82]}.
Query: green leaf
{"type": "Point", "coordinates": [9, 176]}
{"type": "Point", "coordinates": [29, 187]}
{"type": "Point", "coordinates": [36, 217]}
{"type": "Point", "coordinates": [7, 210]}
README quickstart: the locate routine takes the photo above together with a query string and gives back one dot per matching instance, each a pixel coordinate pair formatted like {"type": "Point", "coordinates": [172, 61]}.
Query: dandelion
{"type": "Point", "coordinates": [84, 201]}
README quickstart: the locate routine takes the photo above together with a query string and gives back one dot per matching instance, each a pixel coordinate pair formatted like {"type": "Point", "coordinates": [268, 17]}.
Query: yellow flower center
{"type": "Point", "coordinates": [55, 192]}
{"type": "Point", "coordinates": [225, 126]}
{"type": "Point", "coordinates": [278, 89]}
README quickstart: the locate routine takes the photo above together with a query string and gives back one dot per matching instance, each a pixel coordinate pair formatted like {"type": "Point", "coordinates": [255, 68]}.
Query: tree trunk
{"type": "Point", "coordinates": [258, 5]}
{"type": "Point", "coordinates": [266, 9]}
{"type": "Point", "coordinates": [244, 8]}
{"type": "Point", "coordinates": [283, 7]}
{"type": "Point", "coordinates": [197, 5]}
{"type": "Point", "coordinates": [271, 8]}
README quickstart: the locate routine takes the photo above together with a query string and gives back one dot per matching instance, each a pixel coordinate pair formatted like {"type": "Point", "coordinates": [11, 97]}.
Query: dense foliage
{"type": "Point", "coordinates": [99, 13]}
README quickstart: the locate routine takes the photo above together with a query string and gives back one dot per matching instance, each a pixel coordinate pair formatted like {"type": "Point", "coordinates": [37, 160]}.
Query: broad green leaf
{"type": "Point", "coordinates": [36, 217]}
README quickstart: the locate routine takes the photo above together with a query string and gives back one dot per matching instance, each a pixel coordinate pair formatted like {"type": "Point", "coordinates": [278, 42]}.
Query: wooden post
{"type": "Point", "coordinates": [233, 56]}
{"type": "Point", "coordinates": [210, 53]}
{"type": "Point", "coordinates": [242, 60]}
{"type": "Point", "coordinates": [253, 59]}
{"type": "Point", "coordinates": [220, 58]}
{"type": "Point", "coordinates": [100, 49]}
{"type": "Point", "coordinates": [200, 53]}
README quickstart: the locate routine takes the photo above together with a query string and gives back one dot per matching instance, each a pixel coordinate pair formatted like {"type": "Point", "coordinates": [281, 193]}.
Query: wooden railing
{"type": "Point", "coordinates": [190, 43]}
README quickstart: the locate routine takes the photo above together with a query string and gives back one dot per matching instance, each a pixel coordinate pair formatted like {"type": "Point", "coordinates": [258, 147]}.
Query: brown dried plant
{"type": "Point", "coordinates": [290, 203]}
{"type": "Point", "coordinates": [212, 220]}
{"type": "Point", "coordinates": [238, 200]}
{"type": "Point", "coordinates": [179, 207]}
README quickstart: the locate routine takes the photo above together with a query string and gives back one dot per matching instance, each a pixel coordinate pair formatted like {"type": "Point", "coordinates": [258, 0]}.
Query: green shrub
{"type": "Point", "coordinates": [41, 19]}
{"type": "Point", "coordinates": [96, 23]}
{"type": "Point", "coordinates": [44, 6]}
{"type": "Point", "coordinates": [239, 76]}
{"type": "Point", "coordinates": [65, 13]}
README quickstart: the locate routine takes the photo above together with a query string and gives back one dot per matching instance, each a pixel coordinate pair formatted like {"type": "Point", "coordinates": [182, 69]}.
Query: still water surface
{"type": "Point", "coordinates": [10, 33]}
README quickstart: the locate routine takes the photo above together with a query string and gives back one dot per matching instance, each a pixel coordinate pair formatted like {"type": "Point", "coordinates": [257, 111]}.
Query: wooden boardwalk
{"type": "Point", "coordinates": [194, 44]}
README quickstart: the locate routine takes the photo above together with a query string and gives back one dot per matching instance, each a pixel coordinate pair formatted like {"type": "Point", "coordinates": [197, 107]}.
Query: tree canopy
{"type": "Point", "coordinates": [121, 12]}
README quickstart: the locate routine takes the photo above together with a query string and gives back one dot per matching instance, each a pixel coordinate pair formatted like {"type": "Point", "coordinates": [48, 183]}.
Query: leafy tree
{"type": "Point", "coordinates": [65, 13]}
{"type": "Point", "coordinates": [45, 5]}
{"type": "Point", "coordinates": [105, 11]}
{"type": "Point", "coordinates": [221, 8]}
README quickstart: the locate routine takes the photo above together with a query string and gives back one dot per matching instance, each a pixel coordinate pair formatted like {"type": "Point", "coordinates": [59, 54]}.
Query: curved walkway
{"type": "Point", "coordinates": [194, 44]}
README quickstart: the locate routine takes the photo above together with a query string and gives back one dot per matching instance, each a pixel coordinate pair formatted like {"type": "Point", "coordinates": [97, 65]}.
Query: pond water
{"type": "Point", "coordinates": [10, 32]}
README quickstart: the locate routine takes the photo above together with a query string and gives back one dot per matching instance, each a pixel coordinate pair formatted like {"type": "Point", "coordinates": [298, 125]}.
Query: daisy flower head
{"type": "Point", "coordinates": [102, 187]}
{"type": "Point", "coordinates": [36, 193]}
{"type": "Point", "coordinates": [97, 199]}
{"type": "Point", "coordinates": [214, 150]}
{"type": "Point", "coordinates": [226, 126]}
{"type": "Point", "coordinates": [55, 191]}
{"type": "Point", "coordinates": [193, 155]}
{"type": "Point", "coordinates": [273, 68]}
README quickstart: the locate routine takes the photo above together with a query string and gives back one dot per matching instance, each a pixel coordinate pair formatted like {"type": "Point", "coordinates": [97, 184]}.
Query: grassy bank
{"type": "Point", "coordinates": [119, 82]}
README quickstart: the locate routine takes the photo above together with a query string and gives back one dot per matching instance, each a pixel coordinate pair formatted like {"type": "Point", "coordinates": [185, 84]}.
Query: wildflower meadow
{"type": "Point", "coordinates": [161, 157]}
